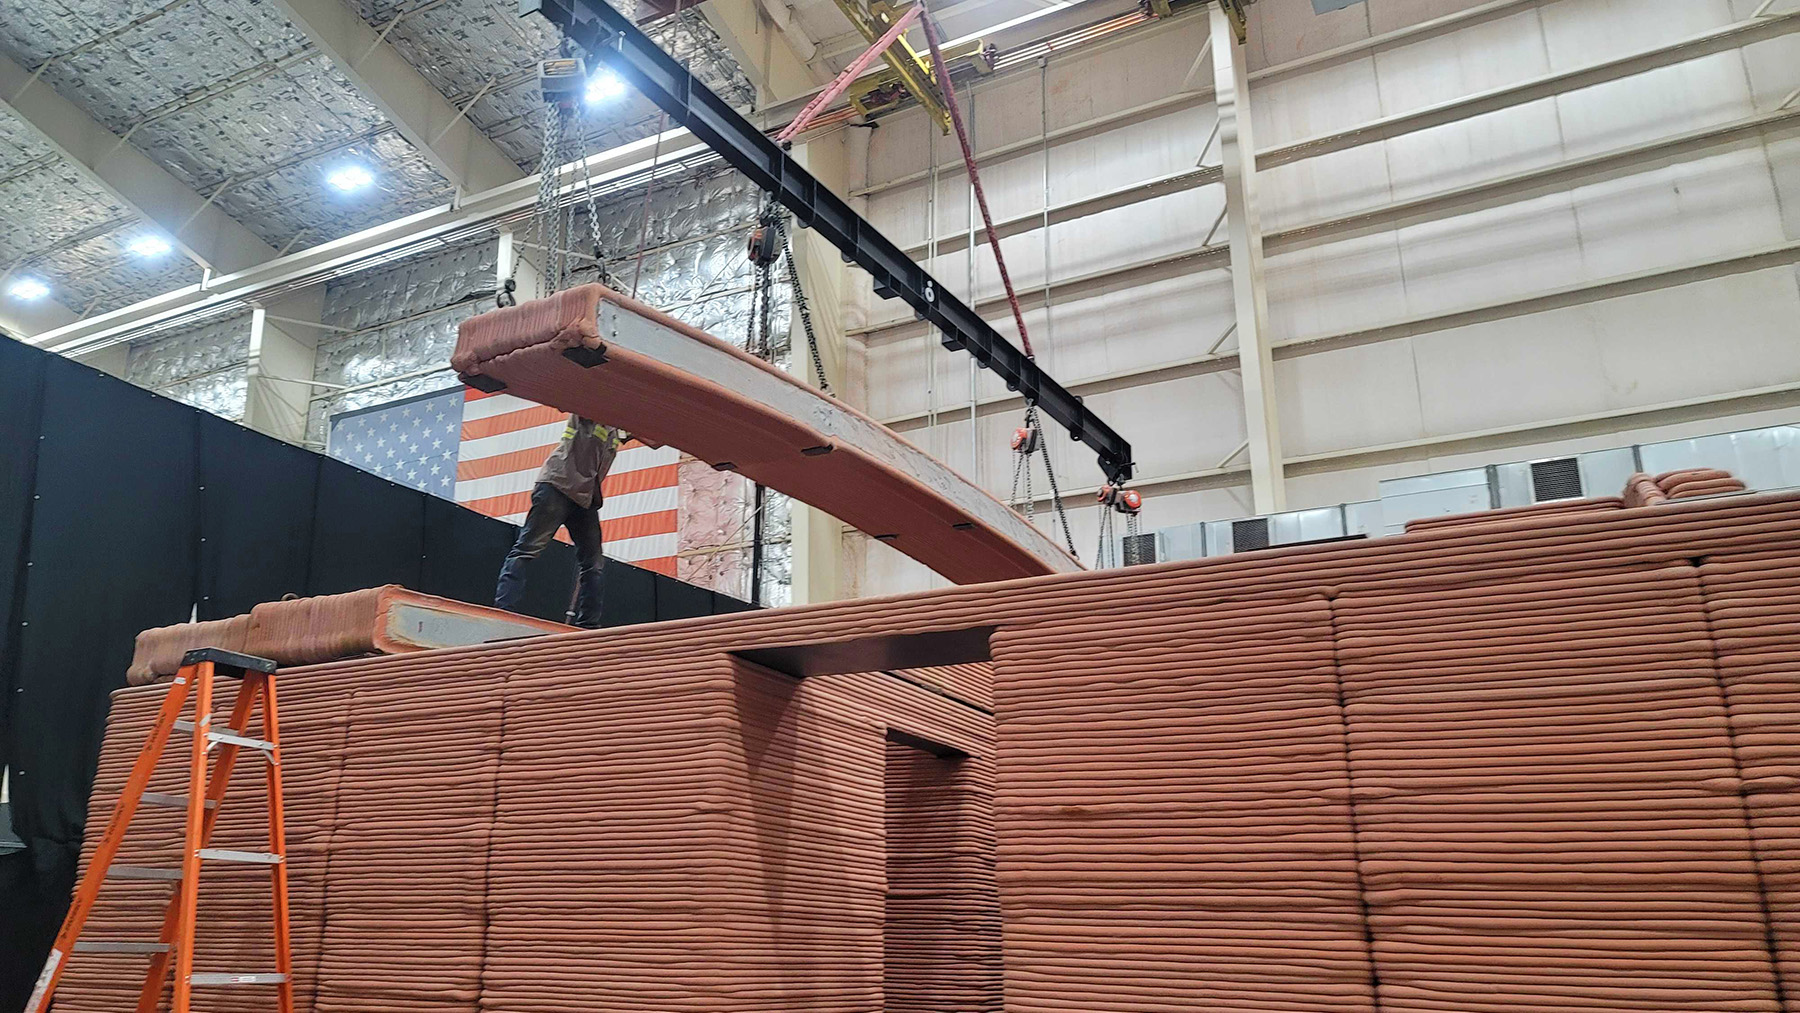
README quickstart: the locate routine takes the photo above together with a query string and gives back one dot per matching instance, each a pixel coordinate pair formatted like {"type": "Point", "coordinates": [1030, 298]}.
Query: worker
{"type": "Point", "coordinates": [566, 495]}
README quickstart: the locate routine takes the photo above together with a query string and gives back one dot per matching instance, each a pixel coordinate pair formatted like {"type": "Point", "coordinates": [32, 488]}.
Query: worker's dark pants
{"type": "Point", "coordinates": [550, 509]}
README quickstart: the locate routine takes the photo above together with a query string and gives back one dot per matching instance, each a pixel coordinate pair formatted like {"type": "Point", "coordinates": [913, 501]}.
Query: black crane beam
{"type": "Point", "coordinates": [604, 32]}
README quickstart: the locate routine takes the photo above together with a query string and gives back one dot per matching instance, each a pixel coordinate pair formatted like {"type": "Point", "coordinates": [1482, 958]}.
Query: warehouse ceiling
{"type": "Point", "coordinates": [240, 106]}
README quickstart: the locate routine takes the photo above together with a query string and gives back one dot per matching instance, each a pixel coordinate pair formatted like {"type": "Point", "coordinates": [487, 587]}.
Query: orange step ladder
{"type": "Point", "coordinates": [206, 792]}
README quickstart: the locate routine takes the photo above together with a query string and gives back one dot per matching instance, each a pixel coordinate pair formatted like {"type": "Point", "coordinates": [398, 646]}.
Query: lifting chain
{"type": "Point", "coordinates": [551, 228]}
{"type": "Point", "coordinates": [800, 305]}
{"type": "Point", "coordinates": [1027, 441]}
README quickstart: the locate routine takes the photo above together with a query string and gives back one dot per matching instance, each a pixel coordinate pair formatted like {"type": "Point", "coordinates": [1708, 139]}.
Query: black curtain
{"type": "Point", "coordinates": [256, 518]}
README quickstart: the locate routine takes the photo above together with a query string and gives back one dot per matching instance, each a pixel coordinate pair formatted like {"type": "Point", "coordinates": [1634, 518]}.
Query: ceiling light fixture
{"type": "Point", "coordinates": [350, 178]}
{"type": "Point", "coordinates": [28, 289]}
{"type": "Point", "coordinates": [604, 86]}
{"type": "Point", "coordinates": [1013, 23]}
{"type": "Point", "coordinates": [149, 246]}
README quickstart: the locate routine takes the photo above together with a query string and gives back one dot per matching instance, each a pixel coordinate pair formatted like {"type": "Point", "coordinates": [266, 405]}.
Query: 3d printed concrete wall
{"type": "Point", "coordinates": [1543, 763]}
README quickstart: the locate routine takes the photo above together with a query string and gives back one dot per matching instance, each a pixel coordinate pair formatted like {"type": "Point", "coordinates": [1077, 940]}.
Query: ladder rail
{"type": "Point", "coordinates": [278, 873]}
{"type": "Point", "coordinates": [214, 799]}
{"type": "Point", "coordinates": [187, 892]}
{"type": "Point", "coordinates": [142, 769]}
{"type": "Point", "coordinates": [205, 796]}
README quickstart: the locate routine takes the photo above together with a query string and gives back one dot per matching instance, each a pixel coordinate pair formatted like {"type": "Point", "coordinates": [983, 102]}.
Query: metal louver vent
{"type": "Point", "coordinates": [1140, 549]}
{"type": "Point", "coordinates": [1558, 479]}
{"type": "Point", "coordinates": [1250, 534]}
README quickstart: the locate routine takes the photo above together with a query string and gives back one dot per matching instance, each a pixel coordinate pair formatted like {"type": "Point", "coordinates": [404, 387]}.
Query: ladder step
{"type": "Point", "coordinates": [141, 872]}
{"type": "Point", "coordinates": [174, 801]}
{"type": "Point", "coordinates": [251, 857]}
{"type": "Point", "coordinates": [236, 979]}
{"type": "Point", "coordinates": [114, 946]}
{"type": "Point", "coordinates": [241, 740]}
{"type": "Point", "coordinates": [230, 737]}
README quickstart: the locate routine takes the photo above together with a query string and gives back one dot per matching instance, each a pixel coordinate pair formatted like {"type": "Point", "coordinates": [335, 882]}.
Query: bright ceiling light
{"type": "Point", "coordinates": [149, 246]}
{"type": "Point", "coordinates": [1014, 23]}
{"type": "Point", "coordinates": [350, 178]}
{"type": "Point", "coordinates": [28, 289]}
{"type": "Point", "coordinates": [604, 86]}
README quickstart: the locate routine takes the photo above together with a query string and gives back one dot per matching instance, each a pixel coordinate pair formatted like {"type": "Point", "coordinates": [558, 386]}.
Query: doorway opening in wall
{"type": "Point", "coordinates": [941, 924]}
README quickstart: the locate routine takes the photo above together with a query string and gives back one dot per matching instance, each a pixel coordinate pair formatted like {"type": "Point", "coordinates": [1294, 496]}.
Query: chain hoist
{"type": "Point", "coordinates": [1027, 443]}
{"type": "Point", "coordinates": [1114, 499]}
{"type": "Point", "coordinates": [563, 80]}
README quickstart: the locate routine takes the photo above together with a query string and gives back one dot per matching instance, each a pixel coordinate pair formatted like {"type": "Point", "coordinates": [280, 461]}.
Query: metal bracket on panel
{"type": "Point", "coordinates": [585, 357]}
{"type": "Point", "coordinates": [482, 382]}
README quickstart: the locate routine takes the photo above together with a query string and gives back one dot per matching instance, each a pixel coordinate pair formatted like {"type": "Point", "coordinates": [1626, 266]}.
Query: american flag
{"type": "Point", "coordinates": [506, 439]}
{"type": "Point", "coordinates": [484, 452]}
{"type": "Point", "coordinates": [411, 442]}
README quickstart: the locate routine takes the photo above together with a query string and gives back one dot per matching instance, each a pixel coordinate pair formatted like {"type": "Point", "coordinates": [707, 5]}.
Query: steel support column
{"type": "Point", "coordinates": [1249, 296]}
{"type": "Point", "coordinates": [279, 368]}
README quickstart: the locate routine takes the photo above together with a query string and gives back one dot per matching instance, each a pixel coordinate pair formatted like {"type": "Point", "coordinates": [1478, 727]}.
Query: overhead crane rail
{"type": "Point", "coordinates": [613, 38]}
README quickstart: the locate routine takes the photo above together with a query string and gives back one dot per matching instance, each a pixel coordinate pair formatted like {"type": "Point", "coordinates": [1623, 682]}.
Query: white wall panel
{"type": "Point", "coordinates": [1337, 96]}
{"type": "Point", "coordinates": [1583, 32]}
{"type": "Point", "coordinates": [1332, 289]}
{"type": "Point", "coordinates": [1349, 397]}
{"type": "Point", "coordinates": [1708, 338]}
{"type": "Point", "coordinates": [1355, 407]}
{"type": "Point", "coordinates": [1500, 253]}
{"type": "Point", "coordinates": [1709, 207]}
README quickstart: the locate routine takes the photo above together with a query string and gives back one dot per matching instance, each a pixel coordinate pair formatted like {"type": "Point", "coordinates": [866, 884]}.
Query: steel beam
{"type": "Point", "coordinates": [1543, 302]}
{"type": "Point", "coordinates": [279, 367]}
{"type": "Point", "coordinates": [453, 145]}
{"type": "Point", "coordinates": [612, 37]}
{"type": "Point", "coordinates": [203, 232]}
{"type": "Point", "coordinates": [1125, 196]}
{"type": "Point", "coordinates": [1718, 40]}
{"type": "Point", "coordinates": [1249, 294]}
{"type": "Point", "coordinates": [22, 320]}
{"type": "Point", "coordinates": [1428, 208]}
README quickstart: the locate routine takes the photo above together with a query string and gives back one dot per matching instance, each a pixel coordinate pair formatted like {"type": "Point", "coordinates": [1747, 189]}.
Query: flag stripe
{"type": "Point", "coordinates": [490, 405]}
{"type": "Point", "coordinates": [511, 422]}
{"type": "Point", "coordinates": [545, 437]}
{"type": "Point", "coordinates": [625, 528]}
{"type": "Point", "coordinates": [528, 459]}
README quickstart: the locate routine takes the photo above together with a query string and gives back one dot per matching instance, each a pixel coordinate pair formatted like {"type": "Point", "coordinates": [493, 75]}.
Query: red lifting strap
{"type": "Point", "coordinates": [962, 137]}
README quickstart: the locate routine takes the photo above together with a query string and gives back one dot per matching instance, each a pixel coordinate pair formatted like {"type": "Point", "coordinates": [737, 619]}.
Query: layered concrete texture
{"type": "Point", "coordinates": [1546, 763]}
{"type": "Point", "coordinates": [608, 357]}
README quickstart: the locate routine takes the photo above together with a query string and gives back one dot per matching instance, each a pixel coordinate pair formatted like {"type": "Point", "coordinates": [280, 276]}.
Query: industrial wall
{"type": "Point", "coordinates": [1532, 302]}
